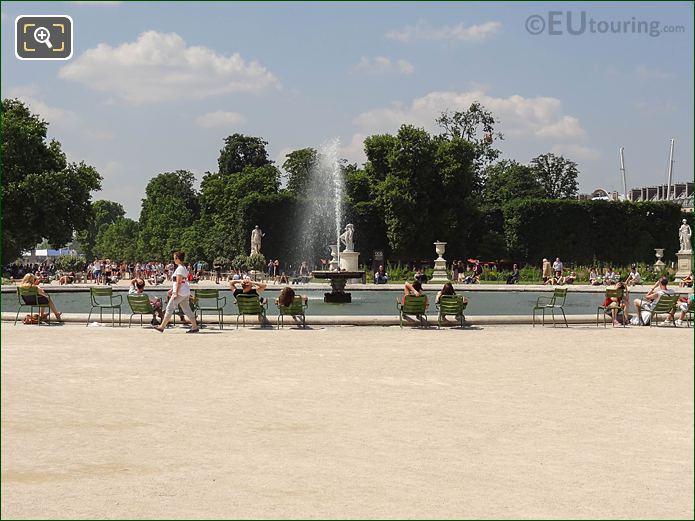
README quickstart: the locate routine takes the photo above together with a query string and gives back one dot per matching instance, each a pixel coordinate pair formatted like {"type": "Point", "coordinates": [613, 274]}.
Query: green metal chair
{"type": "Point", "coordinates": [250, 305]}
{"type": "Point", "coordinates": [608, 310]}
{"type": "Point", "coordinates": [452, 305]}
{"type": "Point", "coordinates": [295, 310]}
{"type": "Point", "coordinates": [29, 297]}
{"type": "Point", "coordinates": [216, 304]}
{"type": "Point", "coordinates": [666, 304]}
{"type": "Point", "coordinates": [103, 298]}
{"type": "Point", "coordinates": [139, 305]}
{"type": "Point", "coordinates": [413, 305]}
{"type": "Point", "coordinates": [557, 301]}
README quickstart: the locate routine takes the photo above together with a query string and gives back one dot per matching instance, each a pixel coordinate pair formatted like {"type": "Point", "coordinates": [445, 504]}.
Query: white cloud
{"type": "Point", "coordinates": [645, 73]}
{"type": "Point", "coordinates": [449, 33]}
{"type": "Point", "coordinates": [58, 119]}
{"type": "Point", "coordinates": [383, 65]}
{"type": "Point", "coordinates": [539, 117]}
{"type": "Point", "coordinates": [575, 152]}
{"type": "Point", "coordinates": [538, 120]}
{"type": "Point", "coordinates": [220, 118]}
{"type": "Point", "coordinates": [162, 67]}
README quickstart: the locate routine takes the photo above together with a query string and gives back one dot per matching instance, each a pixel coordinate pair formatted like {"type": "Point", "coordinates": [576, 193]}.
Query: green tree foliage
{"type": "Point", "coordinates": [103, 214]}
{"type": "Point", "coordinates": [508, 180]}
{"type": "Point", "coordinates": [298, 165]}
{"type": "Point", "coordinates": [616, 232]}
{"type": "Point", "coordinates": [118, 240]}
{"type": "Point", "coordinates": [476, 125]}
{"type": "Point", "coordinates": [43, 196]}
{"type": "Point", "coordinates": [557, 175]}
{"type": "Point", "coordinates": [69, 263]}
{"type": "Point", "coordinates": [414, 189]}
{"type": "Point", "coordinates": [242, 151]}
{"type": "Point", "coordinates": [169, 208]}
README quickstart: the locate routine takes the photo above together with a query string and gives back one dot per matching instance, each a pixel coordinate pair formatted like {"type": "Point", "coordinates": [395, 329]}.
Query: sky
{"type": "Point", "coordinates": [154, 87]}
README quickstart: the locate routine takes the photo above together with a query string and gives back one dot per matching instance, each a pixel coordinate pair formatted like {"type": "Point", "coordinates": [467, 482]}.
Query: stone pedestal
{"type": "Point", "coordinates": [685, 264]}
{"type": "Point", "coordinates": [349, 260]}
{"type": "Point", "coordinates": [439, 275]}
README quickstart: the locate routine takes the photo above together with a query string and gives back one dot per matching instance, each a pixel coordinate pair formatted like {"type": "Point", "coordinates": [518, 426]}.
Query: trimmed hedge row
{"type": "Point", "coordinates": [585, 232]}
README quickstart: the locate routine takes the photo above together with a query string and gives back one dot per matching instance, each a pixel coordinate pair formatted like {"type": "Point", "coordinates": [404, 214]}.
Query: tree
{"type": "Point", "coordinates": [43, 196]}
{"type": "Point", "coordinates": [170, 206]}
{"type": "Point", "coordinates": [557, 175]}
{"type": "Point", "coordinates": [242, 151]}
{"type": "Point", "coordinates": [103, 214]}
{"type": "Point", "coordinates": [509, 180]}
{"type": "Point", "coordinates": [477, 126]}
{"type": "Point", "coordinates": [118, 241]}
{"type": "Point", "coordinates": [298, 167]}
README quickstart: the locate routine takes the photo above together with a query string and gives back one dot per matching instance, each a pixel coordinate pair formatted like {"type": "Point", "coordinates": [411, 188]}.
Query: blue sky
{"type": "Point", "coordinates": [156, 86]}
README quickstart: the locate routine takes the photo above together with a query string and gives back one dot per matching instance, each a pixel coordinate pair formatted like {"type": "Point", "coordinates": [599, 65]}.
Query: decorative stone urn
{"type": "Point", "coordinates": [440, 275]}
{"type": "Point", "coordinates": [659, 264]}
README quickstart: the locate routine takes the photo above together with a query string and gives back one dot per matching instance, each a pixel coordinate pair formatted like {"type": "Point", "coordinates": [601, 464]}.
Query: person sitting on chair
{"type": "Point", "coordinates": [29, 281]}
{"type": "Point", "coordinates": [137, 287]}
{"type": "Point", "coordinates": [447, 289]}
{"type": "Point", "coordinates": [414, 289]}
{"type": "Point", "coordinates": [248, 287]}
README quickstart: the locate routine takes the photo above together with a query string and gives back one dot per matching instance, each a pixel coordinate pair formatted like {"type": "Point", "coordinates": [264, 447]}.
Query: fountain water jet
{"type": "Point", "coordinates": [321, 222]}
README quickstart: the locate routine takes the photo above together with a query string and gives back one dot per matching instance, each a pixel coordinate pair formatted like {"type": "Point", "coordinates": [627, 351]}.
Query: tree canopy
{"type": "Point", "coordinates": [43, 196]}
{"type": "Point", "coordinates": [414, 188]}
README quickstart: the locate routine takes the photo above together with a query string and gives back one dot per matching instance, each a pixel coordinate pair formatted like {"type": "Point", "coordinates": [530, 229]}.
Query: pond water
{"type": "Point", "coordinates": [364, 302]}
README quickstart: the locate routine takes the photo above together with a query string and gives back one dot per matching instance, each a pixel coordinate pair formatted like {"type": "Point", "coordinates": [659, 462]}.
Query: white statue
{"type": "Point", "coordinates": [347, 238]}
{"type": "Point", "coordinates": [685, 234]}
{"type": "Point", "coordinates": [256, 235]}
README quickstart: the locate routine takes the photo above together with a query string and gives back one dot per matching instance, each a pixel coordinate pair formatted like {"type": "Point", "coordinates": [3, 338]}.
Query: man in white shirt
{"type": "Point", "coordinates": [634, 277]}
{"type": "Point", "coordinates": [646, 304]}
{"type": "Point", "coordinates": [557, 265]}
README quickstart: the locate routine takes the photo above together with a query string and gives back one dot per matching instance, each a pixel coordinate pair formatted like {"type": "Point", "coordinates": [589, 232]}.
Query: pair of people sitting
{"type": "Point", "coordinates": [415, 289]}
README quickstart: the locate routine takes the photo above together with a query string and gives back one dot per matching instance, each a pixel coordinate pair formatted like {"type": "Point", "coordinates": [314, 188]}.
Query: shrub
{"type": "Point", "coordinates": [69, 263]}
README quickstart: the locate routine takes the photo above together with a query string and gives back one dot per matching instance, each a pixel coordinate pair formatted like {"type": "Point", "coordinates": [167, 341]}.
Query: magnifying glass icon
{"type": "Point", "coordinates": [42, 35]}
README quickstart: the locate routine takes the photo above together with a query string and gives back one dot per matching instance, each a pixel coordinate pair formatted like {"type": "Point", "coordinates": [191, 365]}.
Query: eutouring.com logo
{"type": "Point", "coordinates": [573, 23]}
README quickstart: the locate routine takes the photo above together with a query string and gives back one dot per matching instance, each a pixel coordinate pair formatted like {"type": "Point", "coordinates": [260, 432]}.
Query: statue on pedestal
{"type": "Point", "coordinates": [685, 234]}
{"type": "Point", "coordinates": [347, 238]}
{"type": "Point", "coordinates": [256, 235]}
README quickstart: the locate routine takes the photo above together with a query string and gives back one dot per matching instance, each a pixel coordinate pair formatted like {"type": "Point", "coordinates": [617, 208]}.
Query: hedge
{"type": "Point", "coordinates": [585, 232]}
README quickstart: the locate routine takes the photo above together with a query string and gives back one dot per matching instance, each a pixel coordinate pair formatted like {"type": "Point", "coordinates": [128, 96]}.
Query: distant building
{"type": "Point", "coordinates": [681, 193]}
{"type": "Point", "coordinates": [40, 255]}
{"type": "Point", "coordinates": [599, 195]}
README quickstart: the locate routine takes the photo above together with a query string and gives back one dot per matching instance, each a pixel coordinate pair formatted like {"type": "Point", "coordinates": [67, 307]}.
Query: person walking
{"type": "Point", "coordinates": [180, 293]}
{"type": "Point", "coordinates": [547, 271]}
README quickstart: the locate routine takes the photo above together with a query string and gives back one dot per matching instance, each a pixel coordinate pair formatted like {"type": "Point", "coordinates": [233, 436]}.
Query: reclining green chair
{"type": "Point", "coordinates": [102, 297]}
{"type": "Point", "coordinates": [413, 305]}
{"type": "Point", "coordinates": [557, 301]}
{"type": "Point", "coordinates": [294, 310]}
{"type": "Point", "coordinates": [666, 304]}
{"type": "Point", "coordinates": [139, 305]}
{"type": "Point", "coordinates": [452, 305]}
{"type": "Point", "coordinates": [608, 310]}
{"type": "Point", "coordinates": [250, 305]}
{"type": "Point", "coordinates": [29, 297]}
{"type": "Point", "coordinates": [216, 303]}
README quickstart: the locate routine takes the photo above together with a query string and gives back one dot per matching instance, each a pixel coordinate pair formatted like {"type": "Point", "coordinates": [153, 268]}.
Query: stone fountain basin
{"type": "Point", "coordinates": [327, 274]}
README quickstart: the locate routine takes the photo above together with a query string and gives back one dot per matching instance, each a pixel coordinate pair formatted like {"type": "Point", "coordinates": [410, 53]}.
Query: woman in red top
{"type": "Point", "coordinates": [616, 304]}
